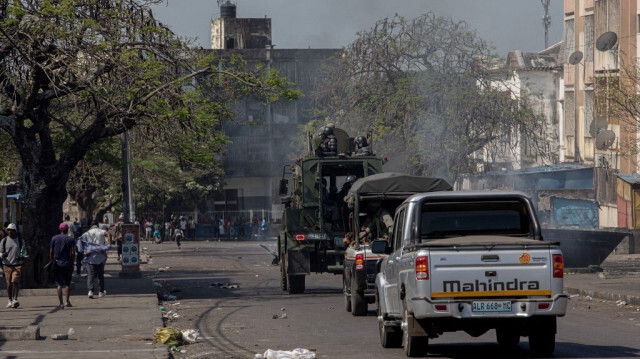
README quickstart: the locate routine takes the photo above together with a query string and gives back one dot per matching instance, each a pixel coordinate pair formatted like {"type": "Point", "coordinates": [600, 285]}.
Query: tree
{"type": "Point", "coordinates": [75, 75]}
{"type": "Point", "coordinates": [618, 103]}
{"type": "Point", "coordinates": [423, 87]}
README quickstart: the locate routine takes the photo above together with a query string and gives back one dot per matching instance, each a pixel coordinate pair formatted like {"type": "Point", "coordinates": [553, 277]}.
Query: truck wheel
{"type": "Point", "coordinates": [296, 284]}
{"type": "Point", "coordinates": [347, 298]}
{"type": "Point", "coordinates": [283, 273]}
{"type": "Point", "coordinates": [389, 337]}
{"type": "Point", "coordinates": [508, 337]}
{"type": "Point", "coordinates": [414, 346]}
{"type": "Point", "coordinates": [542, 336]}
{"type": "Point", "coordinates": [358, 301]}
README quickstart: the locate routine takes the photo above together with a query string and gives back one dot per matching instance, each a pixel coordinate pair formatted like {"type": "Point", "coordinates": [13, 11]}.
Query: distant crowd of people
{"type": "Point", "coordinates": [238, 228]}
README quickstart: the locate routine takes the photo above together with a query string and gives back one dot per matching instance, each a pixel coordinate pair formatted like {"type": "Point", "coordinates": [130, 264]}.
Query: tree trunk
{"type": "Point", "coordinates": [41, 215]}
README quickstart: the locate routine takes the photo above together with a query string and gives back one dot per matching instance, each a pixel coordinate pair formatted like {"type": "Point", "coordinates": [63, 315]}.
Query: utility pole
{"type": "Point", "coordinates": [546, 22]}
{"type": "Point", "coordinates": [128, 203]}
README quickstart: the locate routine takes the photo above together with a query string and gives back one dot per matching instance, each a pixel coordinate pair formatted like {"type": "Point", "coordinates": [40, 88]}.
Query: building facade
{"type": "Point", "coordinates": [600, 36]}
{"type": "Point", "coordinates": [263, 136]}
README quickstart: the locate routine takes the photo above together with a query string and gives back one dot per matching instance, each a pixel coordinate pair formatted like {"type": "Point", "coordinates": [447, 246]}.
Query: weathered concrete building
{"type": "Point", "coordinates": [262, 135]}
{"type": "Point", "coordinates": [538, 76]}
{"type": "Point", "coordinates": [599, 36]}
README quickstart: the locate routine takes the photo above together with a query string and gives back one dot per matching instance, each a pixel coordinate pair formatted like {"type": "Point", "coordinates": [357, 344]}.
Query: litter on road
{"type": "Point", "coordinates": [297, 353]}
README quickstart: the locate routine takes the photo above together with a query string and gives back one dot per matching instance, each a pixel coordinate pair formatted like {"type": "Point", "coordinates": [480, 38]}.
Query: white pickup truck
{"type": "Point", "coordinates": [470, 261]}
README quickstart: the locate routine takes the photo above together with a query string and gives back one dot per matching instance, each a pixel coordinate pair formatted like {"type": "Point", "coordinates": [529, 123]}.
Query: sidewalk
{"type": "Point", "coordinates": [119, 325]}
{"type": "Point", "coordinates": [619, 280]}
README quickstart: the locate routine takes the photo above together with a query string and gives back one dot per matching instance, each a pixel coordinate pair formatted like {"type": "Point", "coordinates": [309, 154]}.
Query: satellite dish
{"type": "Point", "coordinates": [606, 41]}
{"type": "Point", "coordinates": [605, 139]}
{"type": "Point", "coordinates": [598, 126]}
{"type": "Point", "coordinates": [575, 58]}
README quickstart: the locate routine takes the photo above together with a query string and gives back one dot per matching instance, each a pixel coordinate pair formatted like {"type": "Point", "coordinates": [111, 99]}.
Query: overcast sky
{"type": "Point", "coordinates": [507, 24]}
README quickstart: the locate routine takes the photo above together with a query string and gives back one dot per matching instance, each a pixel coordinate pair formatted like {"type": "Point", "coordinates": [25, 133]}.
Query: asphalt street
{"type": "Point", "coordinates": [230, 292]}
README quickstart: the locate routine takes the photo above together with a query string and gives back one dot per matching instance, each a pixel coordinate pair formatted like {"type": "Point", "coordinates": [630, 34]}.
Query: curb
{"type": "Point", "coordinates": [630, 299]}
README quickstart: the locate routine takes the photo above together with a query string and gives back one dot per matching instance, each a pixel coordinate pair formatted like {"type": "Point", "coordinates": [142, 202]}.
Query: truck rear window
{"type": "Point", "coordinates": [452, 219]}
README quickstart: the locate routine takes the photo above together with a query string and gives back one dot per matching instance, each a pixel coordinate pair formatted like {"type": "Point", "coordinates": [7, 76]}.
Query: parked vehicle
{"type": "Point", "coordinates": [470, 261]}
{"type": "Point", "coordinates": [369, 199]}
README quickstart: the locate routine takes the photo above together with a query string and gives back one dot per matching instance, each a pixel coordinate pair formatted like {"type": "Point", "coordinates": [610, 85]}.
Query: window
{"type": "Point", "coordinates": [442, 220]}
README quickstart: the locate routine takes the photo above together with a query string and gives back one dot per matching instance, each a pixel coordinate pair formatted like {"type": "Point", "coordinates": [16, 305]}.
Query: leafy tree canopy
{"type": "Point", "coordinates": [75, 74]}
{"type": "Point", "coordinates": [423, 87]}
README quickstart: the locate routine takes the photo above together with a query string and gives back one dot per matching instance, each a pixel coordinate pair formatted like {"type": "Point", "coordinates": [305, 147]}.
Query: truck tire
{"type": "Point", "coordinates": [542, 336]}
{"type": "Point", "coordinates": [508, 336]}
{"type": "Point", "coordinates": [389, 337]}
{"type": "Point", "coordinates": [413, 346]}
{"type": "Point", "coordinates": [283, 273]}
{"type": "Point", "coordinates": [347, 298]}
{"type": "Point", "coordinates": [296, 283]}
{"type": "Point", "coordinates": [359, 304]}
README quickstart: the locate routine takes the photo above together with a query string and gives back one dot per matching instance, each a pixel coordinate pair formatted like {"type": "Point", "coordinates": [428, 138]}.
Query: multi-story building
{"type": "Point", "coordinates": [600, 36]}
{"type": "Point", "coordinates": [263, 136]}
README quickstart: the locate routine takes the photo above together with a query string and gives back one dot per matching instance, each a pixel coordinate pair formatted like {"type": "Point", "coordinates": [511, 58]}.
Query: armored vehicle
{"type": "Point", "coordinates": [314, 218]}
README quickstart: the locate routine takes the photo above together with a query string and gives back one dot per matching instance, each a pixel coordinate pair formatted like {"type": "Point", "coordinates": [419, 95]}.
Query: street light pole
{"type": "Point", "coordinates": [128, 204]}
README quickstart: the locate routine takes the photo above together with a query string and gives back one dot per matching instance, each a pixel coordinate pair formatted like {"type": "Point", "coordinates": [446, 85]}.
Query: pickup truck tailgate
{"type": "Point", "coordinates": [490, 272]}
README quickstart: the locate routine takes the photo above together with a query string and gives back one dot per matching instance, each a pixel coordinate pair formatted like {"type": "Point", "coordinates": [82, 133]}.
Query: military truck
{"type": "Point", "coordinates": [314, 218]}
{"type": "Point", "coordinates": [368, 200]}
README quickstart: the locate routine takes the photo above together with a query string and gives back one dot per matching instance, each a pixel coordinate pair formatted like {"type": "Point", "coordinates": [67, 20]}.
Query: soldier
{"type": "Point", "coordinates": [362, 148]}
{"type": "Point", "coordinates": [378, 222]}
{"type": "Point", "coordinates": [328, 143]}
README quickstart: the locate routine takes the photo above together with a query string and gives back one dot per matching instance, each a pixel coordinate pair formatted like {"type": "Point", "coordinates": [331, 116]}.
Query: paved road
{"type": "Point", "coordinates": [239, 322]}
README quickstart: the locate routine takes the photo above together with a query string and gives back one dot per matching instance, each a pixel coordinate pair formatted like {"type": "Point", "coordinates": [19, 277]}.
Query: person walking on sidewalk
{"type": "Point", "coordinates": [62, 251]}
{"type": "Point", "coordinates": [13, 253]}
{"type": "Point", "coordinates": [118, 235]}
{"type": "Point", "coordinates": [94, 246]}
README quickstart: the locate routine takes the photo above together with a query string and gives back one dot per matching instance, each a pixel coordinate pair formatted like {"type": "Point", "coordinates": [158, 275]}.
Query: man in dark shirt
{"type": "Point", "coordinates": [62, 250]}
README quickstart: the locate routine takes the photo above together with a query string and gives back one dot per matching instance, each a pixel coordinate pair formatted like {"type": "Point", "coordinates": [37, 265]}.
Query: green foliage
{"type": "Point", "coordinates": [76, 75]}
{"type": "Point", "coordinates": [428, 91]}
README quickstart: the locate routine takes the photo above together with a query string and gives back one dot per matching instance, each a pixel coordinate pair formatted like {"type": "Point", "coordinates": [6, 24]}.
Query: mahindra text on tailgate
{"type": "Point", "coordinates": [513, 273]}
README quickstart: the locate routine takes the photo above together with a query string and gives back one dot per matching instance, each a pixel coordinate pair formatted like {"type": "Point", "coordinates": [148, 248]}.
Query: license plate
{"type": "Point", "coordinates": [491, 306]}
{"type": "Point", "coordinates": [317, 236]}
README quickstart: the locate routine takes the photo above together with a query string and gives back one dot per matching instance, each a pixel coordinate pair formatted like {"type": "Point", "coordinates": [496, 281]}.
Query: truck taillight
{"type": "Point", "coordinates": [359, 261]}
{"type": "Point", "coordinates": [300, 237]}
{"type": "Point", "coordinates": [422, 268]}
{"type": "Point", "coordinates": [558, 266]}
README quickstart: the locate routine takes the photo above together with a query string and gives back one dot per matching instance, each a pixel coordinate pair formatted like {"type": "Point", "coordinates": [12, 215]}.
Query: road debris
{"type": "Point", "coordinates": [225, 285]}
{"type": "Point", "coordinates": [190, 335]}
{"type": "Point", "coordinates": [297, 353]}
{"type": "Point", "coordinates": [169, 336]}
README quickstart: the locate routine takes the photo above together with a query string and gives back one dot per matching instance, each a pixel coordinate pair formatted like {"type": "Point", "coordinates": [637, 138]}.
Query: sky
{"type": "Point", "coordinates": [507, 24]}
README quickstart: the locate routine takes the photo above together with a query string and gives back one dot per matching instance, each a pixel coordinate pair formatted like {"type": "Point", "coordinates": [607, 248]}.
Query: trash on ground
{"type": "Point", "coordinates": [297, 353]}
{"type": "Point", "coordinates": [225, 285]}
{"type": "Point", "coordinates": [169, 336]}
{"type": "Point", "coordinates": [588, 298]}
{"type": "Point", "coordinates": [162, 308]}
{"type": "Point", "coordinates": [177, 350]}
{"type": "Point", "coordinates": [190, 335]}
{"type": "Point", "coordinates": [621, 303]}
{"type": "Point", "coordinates": [170, 297]}
{"type": "Point", "coordinates": [172, 315]}
{"type": "Point", "coordinates": [71, 332]}
{"type": "Point", "coordinates": [593, 268]}
{"type": "Point", "coordinates": [60, 336]}
{"type": "Point", "coordinates": [574, 295]}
